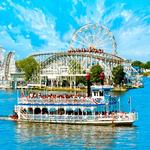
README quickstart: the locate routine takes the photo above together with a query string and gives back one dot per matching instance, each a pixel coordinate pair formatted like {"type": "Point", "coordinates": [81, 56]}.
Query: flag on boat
{"type": "Point", "coordinates": [129, 100]}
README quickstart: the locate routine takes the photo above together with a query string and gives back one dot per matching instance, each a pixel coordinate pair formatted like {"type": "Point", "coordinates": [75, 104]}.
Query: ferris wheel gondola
{"type": "Point", "coordinates": [96, 36]}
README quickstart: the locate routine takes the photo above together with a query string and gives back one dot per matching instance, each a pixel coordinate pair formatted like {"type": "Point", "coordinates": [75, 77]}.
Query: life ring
{"type": "Point", "coordinates": [94, 100]}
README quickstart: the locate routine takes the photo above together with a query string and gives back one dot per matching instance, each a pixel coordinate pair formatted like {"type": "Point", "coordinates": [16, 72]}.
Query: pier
{"type": "Point", "coordinates": [5, 118]}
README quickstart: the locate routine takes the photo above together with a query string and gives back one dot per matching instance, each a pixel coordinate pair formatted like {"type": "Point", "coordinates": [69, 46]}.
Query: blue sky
{"type": "Point", "coordinates": [28, 26]}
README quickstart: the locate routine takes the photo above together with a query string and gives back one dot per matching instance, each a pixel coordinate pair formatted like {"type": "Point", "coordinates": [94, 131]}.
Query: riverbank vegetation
{"type": "Point", "coordinates": [142, 68]}
{"type": "Point", "coordinates": [141, 64]}
{"type": "Point", "coordinates": [29, 66]}
{"type": "Point", "coordinates": [63, 89]}
{"type": "Point", "coordinates": [146, 73]}
{"type": "Point", "coordinates": [95, 73]}
{"type": "Point", "coordinates": [118, 75]}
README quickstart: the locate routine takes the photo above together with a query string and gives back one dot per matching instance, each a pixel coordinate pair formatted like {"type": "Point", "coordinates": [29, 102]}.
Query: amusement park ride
{"type": "Point", "coordinates": [7, 67]}
{"type": "Point", "coordinates": [90, 45]}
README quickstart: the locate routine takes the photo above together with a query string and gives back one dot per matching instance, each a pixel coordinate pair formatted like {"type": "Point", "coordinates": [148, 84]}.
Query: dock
{"type": "Point", "coordinates": [5, 118]}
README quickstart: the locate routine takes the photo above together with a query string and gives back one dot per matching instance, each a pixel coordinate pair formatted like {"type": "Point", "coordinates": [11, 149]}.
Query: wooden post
{"type": "Point", "coordinates": [88, 85]}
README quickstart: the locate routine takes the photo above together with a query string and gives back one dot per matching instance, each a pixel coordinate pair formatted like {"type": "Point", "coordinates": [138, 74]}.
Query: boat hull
{"type": "Point", "coordinates": [90, 122]}
{"type": "Point", "coordinates": [97, 123]}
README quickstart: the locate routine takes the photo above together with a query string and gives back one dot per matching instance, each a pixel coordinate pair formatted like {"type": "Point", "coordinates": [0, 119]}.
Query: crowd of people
{"type": "Point", "coordinates": [54, 98]}
{"type": "Point", "coordinates": [89, 50]}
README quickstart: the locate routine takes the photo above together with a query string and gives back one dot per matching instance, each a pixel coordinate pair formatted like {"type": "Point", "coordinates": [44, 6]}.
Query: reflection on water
{"type": "Point", "coordinates": [76, 136]}
{"type": "Point", "coordinates": [27, 136]}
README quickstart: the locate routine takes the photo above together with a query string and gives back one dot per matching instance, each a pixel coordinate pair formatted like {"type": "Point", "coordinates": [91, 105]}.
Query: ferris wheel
{"type": "Point", "coordinates": [96, 36]}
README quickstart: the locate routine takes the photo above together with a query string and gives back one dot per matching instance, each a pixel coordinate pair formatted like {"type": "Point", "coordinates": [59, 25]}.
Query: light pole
{"type": "Point", "coordinates": [88, 84]}
{"type": "Point", "coordinates": [102, 77]}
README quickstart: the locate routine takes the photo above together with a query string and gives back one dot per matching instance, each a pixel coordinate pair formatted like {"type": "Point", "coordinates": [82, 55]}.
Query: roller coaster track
{"type": "Point", "coordinates": [74, 54]}
{"type": "Point", "coordinates": [52, 63]}
{"type": "Point", "coordinates": [7, 64]}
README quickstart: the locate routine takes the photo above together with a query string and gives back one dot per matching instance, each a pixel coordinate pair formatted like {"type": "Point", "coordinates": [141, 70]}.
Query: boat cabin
{"type": "Point", "coordinates": [100, 91]}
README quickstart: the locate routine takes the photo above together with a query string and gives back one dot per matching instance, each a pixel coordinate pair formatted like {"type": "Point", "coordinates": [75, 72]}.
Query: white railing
{"type": "Point", "coordinates": [25, 100]}
{"type": "Point", "coordinates": [81, 118]}
{"type": "Point", "coordinates": [46, 117]}
{"type": "Point", "coordinates": [24, 115]}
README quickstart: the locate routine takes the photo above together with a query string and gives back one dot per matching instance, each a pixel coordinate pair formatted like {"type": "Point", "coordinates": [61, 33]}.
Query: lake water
{"type": "Point", "coordinates": [39, 136]}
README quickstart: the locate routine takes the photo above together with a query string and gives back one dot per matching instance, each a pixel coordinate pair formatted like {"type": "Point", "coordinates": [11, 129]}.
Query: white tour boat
{"type": "Point", "coordinates": [99, 109]}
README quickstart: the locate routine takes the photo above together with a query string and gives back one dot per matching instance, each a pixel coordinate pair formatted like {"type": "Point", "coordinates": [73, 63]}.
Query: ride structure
{"type": "Point", "coordinates": [90, 45]}
{"type": "Point", "coordinates": [7, 67]}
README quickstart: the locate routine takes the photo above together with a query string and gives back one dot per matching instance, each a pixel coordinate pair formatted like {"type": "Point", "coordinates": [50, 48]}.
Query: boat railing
{"type": "Point", "coordinates": [135, 115]}
{"type": "Point", "coordinates": [16, 108]}
{"type": "Point", "coordinates": [47, 117]}
{"type": "Point", "coordinates": [125, 116]}
{"type": "Point", "coordinates": [78, 100]}
{"type": "Point", "coordinates": [24, 114]}
{"type": "Point", "coordinates": [65, 117]}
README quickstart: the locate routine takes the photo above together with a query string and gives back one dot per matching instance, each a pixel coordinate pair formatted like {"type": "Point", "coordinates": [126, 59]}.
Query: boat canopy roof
{"type": "Point", "coordinates": [101, 88]}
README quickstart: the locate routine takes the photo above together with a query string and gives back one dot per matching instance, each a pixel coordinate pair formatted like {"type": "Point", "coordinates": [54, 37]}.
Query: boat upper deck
{"type": "Point", "coordinates": [99, 96]}
{"type": "Point", "coordinates": [60, 100]}
{"type": "Point", "coordinates": [67, 100]}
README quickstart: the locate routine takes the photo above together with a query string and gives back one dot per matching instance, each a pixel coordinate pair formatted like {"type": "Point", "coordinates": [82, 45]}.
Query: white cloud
{"type": "Point", "coordinates": [127, 15]}
{"type": "Point", "coordinates": [94, 13]}
{"type": "Point", "coordinates": [10, 26]}
{"type": "Point", "coordinates": [75, 2]}
{"type": "Point", "coordinates": [68, 36]}
{"type": "Point", "coordinates": [2, 8]}
{"type": "Point", "coordinates": [132, 35]}
{"type": "Point", "coordinates": [42, 25]}
{"type": "Point", "coordinates": [133, 43]}
{"type": "Point", "coordinates": [21, 46]}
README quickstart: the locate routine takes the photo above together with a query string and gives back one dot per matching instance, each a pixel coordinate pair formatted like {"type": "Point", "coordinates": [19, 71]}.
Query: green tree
{"type": "Point", "coordinates": [28, 65]}
{"type": "Point", "coordinates": [95, 73]}
{"type": "Point", "coordinates": [118, 75]}
{"type": "Point", "coordinates": [74, 67]}
{"type": "Point", "coordinates": [81, 80]}
{"type": "Point", "coordinates": [138, 63]}
{"type": "Point", "coordinates": [147, 65]}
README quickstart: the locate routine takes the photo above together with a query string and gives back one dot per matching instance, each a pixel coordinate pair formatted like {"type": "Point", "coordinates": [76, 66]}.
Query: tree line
{"type": "Point", "coordinates": [29, 66]}
{"type": "Point", "coordinates": [141, 64]}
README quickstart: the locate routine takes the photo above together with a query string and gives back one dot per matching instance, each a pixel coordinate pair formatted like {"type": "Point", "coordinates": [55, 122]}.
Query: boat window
{"type": "Point", "coordinates": [37, 111]}
{"type": "Point", "coordinates": [95, 93]}
{"type": "Point", "coordinates": [100, 93]}
{"type": "Point", "coordinates": [44, 111]}
{"type": "Point", "coordinates": [87, 112]}
{"type": "Point", "coordinates": [53, 111]}
{"type": "Point", "coordinates": [69, 111]}
{"type": "Point", "coordinates": [30, 110]}
{"type": "Point", "coordinates": [77, 111]}
{"type": "Point", "coordinates": [61, 111]}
